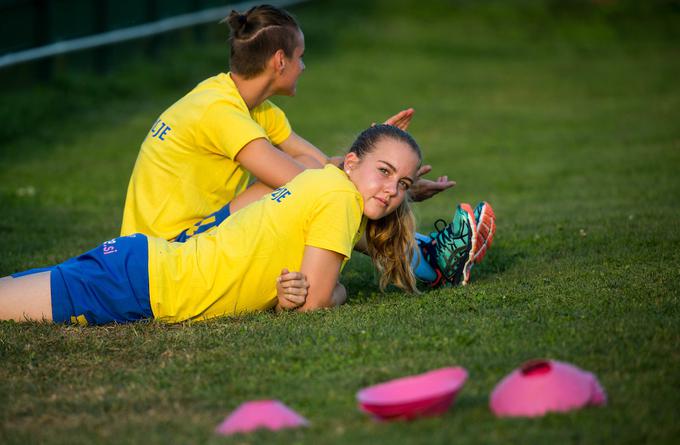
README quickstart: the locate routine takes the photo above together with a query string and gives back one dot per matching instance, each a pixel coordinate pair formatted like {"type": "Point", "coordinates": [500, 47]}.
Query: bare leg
{"type": "Point", "coordinates": [27, 298]}
{"type": "Point", "coordinates": [257, 190]}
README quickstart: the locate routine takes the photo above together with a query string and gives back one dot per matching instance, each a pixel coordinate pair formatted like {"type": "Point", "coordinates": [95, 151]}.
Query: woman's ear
{"type": "Point", "coordinates": [351, 161]}
{"type": "Point", "coordinates": [279, 61]}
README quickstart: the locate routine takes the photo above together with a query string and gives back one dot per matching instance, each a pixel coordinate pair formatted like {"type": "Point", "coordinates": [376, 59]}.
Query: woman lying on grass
{"type": "Point", "coordinates": [308, 226]}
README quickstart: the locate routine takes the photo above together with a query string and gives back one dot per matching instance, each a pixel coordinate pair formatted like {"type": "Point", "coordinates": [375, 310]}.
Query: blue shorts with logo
{"type": "Point", "coordinates": [110, 283]}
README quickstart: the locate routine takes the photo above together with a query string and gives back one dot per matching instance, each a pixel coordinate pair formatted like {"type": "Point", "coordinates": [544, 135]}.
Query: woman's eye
{"type": "Point", "coordinates": [404, 185]}
{"type": "Point", "coordinates": [384, 171]}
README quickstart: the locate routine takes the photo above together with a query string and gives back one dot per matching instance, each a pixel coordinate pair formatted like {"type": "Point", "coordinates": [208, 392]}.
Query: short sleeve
{"type": "Point", "coordinates": [274, 121]}
{"type": "Point", "coordinates": [335, 221]}
{"type": "Point", "coordinates": [226, 130]}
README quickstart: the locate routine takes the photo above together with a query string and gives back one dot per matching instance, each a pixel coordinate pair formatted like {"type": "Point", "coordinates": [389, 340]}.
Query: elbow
{"type": "Point", "coordinates": [313, 306]}
{"type": "Point", "coordinates": [336, 297]}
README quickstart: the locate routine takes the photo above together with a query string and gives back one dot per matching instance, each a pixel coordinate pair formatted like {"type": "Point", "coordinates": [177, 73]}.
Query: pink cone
{"type": "Point", "coordinates": [543, 386]}
{"type": "Point", "coordinates": [268, 414]}
{"type": "Point", "coordinates": [406, 398]}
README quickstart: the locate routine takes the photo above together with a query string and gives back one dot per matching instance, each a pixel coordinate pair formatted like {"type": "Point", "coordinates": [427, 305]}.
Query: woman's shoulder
{"type": "Point", "coordinates": [327, 178]}
{"type": "Point", "coordinates": [318, 184]}
{"type": "Point", "coordinates": [219, 92]}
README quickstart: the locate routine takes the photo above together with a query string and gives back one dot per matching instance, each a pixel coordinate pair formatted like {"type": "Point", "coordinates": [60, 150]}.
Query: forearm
{"type": "Point", "coordinates": [296, 146]}
{"type": "Point", "coordinates": [335, 298]}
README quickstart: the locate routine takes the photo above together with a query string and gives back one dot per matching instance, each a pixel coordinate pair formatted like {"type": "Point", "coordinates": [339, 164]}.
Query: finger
{"type": "Point", "coordinates": [298, 298]}
{"type": "Point", "coordinates": [295, 299]}
{"type": "Point", "coordinates": [400, 118]}
{"type": "Point", "coordinates": [405, 115]}
{"type": "Point", "coordinates": [425, 169]}
{"type": "Point", "coordinates": [289, 305]}
{"type": "Point", "coordinates": [296, 284]}
{"type": "Point", "coordinates": [440, 186]}
{"type": "Point", "coordinates": [404, 122]}
{"type": "Point", "coordinates": [444, 181]}
{"type": "Point", "coordinates": [298, 294]}
{"type": "Point", "coordinates": [294, 279]}
{"type": "Point", "coordinates": [292, 276]}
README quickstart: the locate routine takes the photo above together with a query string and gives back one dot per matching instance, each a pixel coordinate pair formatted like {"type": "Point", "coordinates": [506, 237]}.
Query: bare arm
{"type": "Point", "coordinates": [322, 269]}
{"type": "Point", "coordinates": [269, 164]}
{"type": "Point", "coordinates": [296, 145]}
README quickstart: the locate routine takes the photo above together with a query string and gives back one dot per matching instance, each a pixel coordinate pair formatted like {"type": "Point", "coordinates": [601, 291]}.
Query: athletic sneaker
{"type": "Point", "coordinates": [453, 245]}
{"type": "Point", "coordinates": [486, 228]}
{"type": "Point", "coordinates": [483, 233]}
{"type": "Point", "coordinates": [482, 223]}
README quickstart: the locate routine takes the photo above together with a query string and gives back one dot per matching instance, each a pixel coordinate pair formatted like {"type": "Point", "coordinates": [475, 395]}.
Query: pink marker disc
{"type": "Point", "coordinates": [542, 386]}
{"type": "Point", "coordinates": [267, 414]}
{"type": "Point", "coordinates": [406, 398]}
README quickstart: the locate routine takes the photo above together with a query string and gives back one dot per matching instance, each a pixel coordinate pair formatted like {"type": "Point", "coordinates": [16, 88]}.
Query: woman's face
{"type": "Point", "coordinates": [294, 66]}
{"type": "Point", "coordinates": [383, 176]}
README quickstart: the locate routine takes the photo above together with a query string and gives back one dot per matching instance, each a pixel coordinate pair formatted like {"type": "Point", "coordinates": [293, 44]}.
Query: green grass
{"type": "Point", "coordinates": [563, 115]}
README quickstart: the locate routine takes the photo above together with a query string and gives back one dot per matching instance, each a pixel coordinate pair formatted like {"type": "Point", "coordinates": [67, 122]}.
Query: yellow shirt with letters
{"type": "Point", "coordinates": [186, 168]}
{"type": "Point", "coordinates": [232, 269]}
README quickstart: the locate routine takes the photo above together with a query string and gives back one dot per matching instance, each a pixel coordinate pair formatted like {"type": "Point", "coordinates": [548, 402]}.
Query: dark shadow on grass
{"type": "Point", "coordinates": [360, 278]}
{"type": "Point", "coordinates": [498, 260]}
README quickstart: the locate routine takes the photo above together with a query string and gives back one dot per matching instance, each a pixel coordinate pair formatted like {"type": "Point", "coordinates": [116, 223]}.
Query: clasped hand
{"type": "Point", "coordinates": [291, 290]}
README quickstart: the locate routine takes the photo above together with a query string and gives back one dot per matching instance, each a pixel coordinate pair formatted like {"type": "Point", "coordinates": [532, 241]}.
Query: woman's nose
{"type": "Point", "coordinates": [391, 188]}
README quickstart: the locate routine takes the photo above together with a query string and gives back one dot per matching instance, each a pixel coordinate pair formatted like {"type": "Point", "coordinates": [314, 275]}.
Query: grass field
{"type": "Point", "coordinates": [564, 115]}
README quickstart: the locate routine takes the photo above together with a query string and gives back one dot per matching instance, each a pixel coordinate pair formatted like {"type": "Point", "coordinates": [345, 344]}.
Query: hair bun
{"type": "Point", "coordinates": [237, 22]}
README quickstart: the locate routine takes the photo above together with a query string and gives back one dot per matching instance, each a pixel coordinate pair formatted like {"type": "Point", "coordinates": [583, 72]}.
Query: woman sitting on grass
{"type": "Point", "coordinates": [308, 226]}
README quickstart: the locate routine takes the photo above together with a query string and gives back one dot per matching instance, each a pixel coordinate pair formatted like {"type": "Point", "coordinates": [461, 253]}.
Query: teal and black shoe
{"type": "Point", "coordinates": [453, 244]}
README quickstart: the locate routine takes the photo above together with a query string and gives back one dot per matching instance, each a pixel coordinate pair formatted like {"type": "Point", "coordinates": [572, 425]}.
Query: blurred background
{"type": "Point", "coordinates": [64, 26]}
{"type": "Point", "coordinates": [495, 84]}
{"type": "Point", "coordinates": [564, 114]}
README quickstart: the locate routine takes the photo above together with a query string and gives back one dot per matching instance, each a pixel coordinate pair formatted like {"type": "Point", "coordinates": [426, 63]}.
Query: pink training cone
{"type": "Point", "coordinates": [406, 398]}
{"type": "Point", "coordinates": [542, 386]}
{"type": "Point", "coordinates": [268, 414]}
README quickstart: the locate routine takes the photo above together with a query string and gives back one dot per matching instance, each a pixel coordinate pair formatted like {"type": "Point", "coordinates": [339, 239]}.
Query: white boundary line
{"type": "Point", "coordinates": [133, 32]}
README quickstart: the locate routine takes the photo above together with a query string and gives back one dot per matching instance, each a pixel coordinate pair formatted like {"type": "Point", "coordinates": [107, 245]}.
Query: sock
{"type": "Point", "coordinates": [421, 267]}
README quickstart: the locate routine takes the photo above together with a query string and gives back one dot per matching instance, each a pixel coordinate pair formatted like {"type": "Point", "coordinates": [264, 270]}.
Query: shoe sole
{"type": "Point", "coordinates": [486, 228]}
{"type": "Point", "coordinates": [467, 269]}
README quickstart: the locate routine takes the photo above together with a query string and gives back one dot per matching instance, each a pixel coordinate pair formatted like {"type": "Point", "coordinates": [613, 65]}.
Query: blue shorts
{"type": "Point", "coordinates": [110, 283]}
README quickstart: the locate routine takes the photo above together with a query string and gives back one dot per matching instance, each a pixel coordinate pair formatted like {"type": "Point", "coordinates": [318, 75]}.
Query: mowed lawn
{"type": "Point", "coordinates": [564, 115]}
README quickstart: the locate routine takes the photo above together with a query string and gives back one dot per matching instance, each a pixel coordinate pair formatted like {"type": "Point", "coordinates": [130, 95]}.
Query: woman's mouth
{"type": "Point", "coordinates": [380, 200]}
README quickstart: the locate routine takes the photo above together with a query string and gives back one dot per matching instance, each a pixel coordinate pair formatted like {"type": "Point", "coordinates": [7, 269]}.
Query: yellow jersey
{"type": "Point", "coordinates": [233, 269]}
{"type": "Point", "coordinates": [186, 168]}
